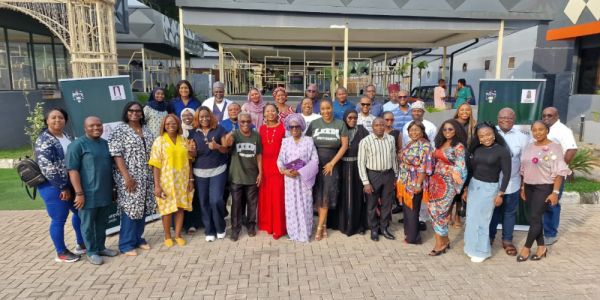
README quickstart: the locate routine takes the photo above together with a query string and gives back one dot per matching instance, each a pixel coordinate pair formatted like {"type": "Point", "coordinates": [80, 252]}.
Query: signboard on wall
{"type": "Point", "coordinates": [524, 96]}
{"type": "Point", "coordinates": [104, 97]}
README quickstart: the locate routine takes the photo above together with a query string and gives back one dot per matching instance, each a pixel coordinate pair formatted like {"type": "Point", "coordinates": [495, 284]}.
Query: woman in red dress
{"type": "Point", "coordinates": [271, 203]}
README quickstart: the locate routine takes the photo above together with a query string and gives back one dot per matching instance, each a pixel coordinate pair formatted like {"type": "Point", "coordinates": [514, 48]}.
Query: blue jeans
{"type": "Point", "coordinates": [210, 196]}
{"type": "Point", "coordinates": [552, 216]}
{"type": "Point", "coordinates": [130, 234]}
{"type": "Point", "coordinates": [507, 213]}
{"type": "Point", "coordinates": [58, 211]}
{"type": "Point", "coordinates": [480, 207]}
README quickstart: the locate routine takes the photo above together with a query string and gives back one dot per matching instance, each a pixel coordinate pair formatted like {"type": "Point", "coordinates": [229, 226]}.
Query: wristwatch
{"type": "Point", "coordinates": [556, 192]}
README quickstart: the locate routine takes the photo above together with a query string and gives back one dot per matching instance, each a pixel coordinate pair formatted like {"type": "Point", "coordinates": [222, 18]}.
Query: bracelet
{"type": "Point", "coordinates": [79, 194]}
{"type": "Point", "coordinates": [191, 179]}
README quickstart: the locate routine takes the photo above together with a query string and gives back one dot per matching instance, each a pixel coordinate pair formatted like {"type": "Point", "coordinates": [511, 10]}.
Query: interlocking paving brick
{"type": "Point", "coordinates": [338, 267]}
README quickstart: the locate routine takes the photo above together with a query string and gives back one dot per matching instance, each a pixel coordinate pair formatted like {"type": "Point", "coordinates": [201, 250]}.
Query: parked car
{"type": "Point", "coordinates": [425, 93]}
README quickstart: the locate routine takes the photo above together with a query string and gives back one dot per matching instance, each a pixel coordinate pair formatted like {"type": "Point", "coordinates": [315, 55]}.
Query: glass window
{"type": "Point", "coordinates": [61, 60]}
{"type": "Point", "coordinates": [20, 60]}
{"type": "Point", "coordinates": [4, 76]}
{"type": "Point", "coordinates": [44, 59]}
{"type": "Point", "coordinates": [589, 66]}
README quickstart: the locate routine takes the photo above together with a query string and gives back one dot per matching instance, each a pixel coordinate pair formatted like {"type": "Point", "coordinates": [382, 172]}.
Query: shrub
{"type": "Point", "coordinates": [584, 161]}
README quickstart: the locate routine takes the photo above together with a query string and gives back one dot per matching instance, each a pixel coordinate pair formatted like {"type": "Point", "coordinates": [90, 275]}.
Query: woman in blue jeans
{"type": "Point", "coordinates": [50, 148]}
{"type": "Point", "coordinates": [210, 171]}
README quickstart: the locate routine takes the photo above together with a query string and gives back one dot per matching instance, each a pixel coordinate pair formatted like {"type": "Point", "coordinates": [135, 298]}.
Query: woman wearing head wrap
{"type": "Point", "coordinates": [350, 216]}
{"type": "Point", "coordinates": [155, 110]}
{"type": "Point", "coordinates": [254, 106]}
{"type": "Point", "coordinates": [187, 119]}
{"type": "Point", "coordinates": [299, 163]}
{"type": "Point", "coordinates": [280, 96]}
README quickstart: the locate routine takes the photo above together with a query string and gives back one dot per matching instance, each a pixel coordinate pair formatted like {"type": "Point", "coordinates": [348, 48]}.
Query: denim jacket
{"type": "Point", "coordinates": [51, 159]}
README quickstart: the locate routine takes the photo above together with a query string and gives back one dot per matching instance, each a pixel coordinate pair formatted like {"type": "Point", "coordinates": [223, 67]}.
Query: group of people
{"type": "Point", "coordinates": [353, 165]}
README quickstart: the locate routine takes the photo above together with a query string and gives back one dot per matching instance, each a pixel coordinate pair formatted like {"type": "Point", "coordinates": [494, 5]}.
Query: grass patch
{"type": "Point", "coordinates": [582, 185]}
{"type": "Point", "coordinates": [16, 153]}
{"type": "Point", "coordinates": [13, 195]}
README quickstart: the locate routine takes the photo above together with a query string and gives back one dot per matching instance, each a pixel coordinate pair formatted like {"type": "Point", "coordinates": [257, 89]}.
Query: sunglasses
{"type": "Point", "coordinates": [311, 91]}
{"type": "Point", "coordinates": [402, 96]}
{"type": "Point", "coordinates": [448, 129]}
{"type": "Point", "coordinates": [292, 127]}
{"type": "Point", "coordinates": [134, 110]}
{"type": "Point", "coordinates": [365, 104]}
{"type": "Point", "coordinates": [245, 122]}
{"type": "Point", "coordinates": [352, 118]}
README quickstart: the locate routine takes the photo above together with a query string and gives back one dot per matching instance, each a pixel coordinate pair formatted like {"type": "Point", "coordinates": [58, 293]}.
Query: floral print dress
{"type": "Point", "coordinates": [415, 159]}
{"type": "Point", "coordinates": [124, 142]}
{"type": "Point", "coordinates": [442, 187]}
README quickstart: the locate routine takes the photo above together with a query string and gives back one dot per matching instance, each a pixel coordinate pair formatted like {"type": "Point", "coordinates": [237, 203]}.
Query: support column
{"type": "Point", "coordinates": [304, 75]}
{"type": "Point", "coordinates": [181, 44]}
{"type": "Point", "coordinates": [332, 85]}
{"type": "Point", "coordinates": [222, 68]}
{"type": "Point", "coordinates": [385, 74]}
{"type": "Point", "coordinates": [346, 55]}
{"type": "Point", "coordinates": [499, 50]}
{"type": "Point", "coordinates": [444, 64]}
{"type": "Point", "coordinates": [145, 85]}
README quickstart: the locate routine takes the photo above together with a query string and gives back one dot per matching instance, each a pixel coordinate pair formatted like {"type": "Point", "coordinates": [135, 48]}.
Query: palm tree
{"type": "Point", "coordinates": [421, 65]}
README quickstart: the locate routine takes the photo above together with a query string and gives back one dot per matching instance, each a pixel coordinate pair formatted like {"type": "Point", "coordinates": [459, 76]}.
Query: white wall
{"type": "Point", "coordinates": [520, 44]}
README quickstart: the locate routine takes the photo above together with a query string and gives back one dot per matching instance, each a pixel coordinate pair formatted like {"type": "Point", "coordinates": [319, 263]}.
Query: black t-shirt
{"type": "Point", "coordinates": [487, 162]}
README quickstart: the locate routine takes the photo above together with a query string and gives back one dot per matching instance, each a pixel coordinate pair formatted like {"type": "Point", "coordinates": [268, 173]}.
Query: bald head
{"type": "Point", "coordinates": [550, 116]}
{"type": "Point", "coordinates": [92, 126]}
{"type": "Point", "coordinates": [365, 105]}
{"type": "Point", "coordinates": [506, 119]}
{"type": "Point", "coordinates": [378, 127]}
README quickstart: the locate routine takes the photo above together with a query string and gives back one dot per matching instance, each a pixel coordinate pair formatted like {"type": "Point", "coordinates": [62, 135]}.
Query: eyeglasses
{"type": "Point", "coordinates": [389, 120]}
{"type": "Point", "coordinates": [311, 91]}
{"type": "Point", "coordinates": [450, 129]}
{"type": "Point", "coordinates": [292, 127]}
{"type": "Point", "coordinates": [352, 118]}
{"type": "Point", "coordinates": [134, 110]}
{"type": "Point", "coordinates": [402, 96]}
{"type": "Point", "coordinates": [365, 104]}
{"type": "Point", "coordinates": [245, 122]}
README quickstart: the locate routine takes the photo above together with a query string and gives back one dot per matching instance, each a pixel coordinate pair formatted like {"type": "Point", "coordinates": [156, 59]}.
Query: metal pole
{"type": "Point", "coordinates": [499, 50]}
{"type": "Point", "coordinates": [145, 85]}
{"type": "Point", "coordinates": [222, 68]}
{"type": "Point", "coordinates": [181, 44]}
{"type": "Point", "coordinates": [304, 70]}
{"type": "Point", "coordinates": [385, 74]}
{"type": "Point", "coordinates": [333, 71]}
{"type": "Point", "coordinates": [346, 55]}
{"type": "Point", "coordinates": [410, 54]}
{"type": "Point", "coordinates": [444, 64]}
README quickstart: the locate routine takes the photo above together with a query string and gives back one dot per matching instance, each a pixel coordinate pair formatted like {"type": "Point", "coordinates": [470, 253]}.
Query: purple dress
{"type": "Point", "coordinates": [298, 191]}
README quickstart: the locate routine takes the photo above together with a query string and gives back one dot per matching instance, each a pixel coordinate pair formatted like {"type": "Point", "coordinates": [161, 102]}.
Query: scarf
{"type": "Point", "coordinates": [186, 128]}
{"type": "Point", "coordinates": [255, 109]}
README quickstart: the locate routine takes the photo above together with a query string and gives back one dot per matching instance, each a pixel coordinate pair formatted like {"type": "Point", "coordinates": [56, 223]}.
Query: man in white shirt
{"type": "Point", "coordinates": [365, 118]}
{"type": "Point", "coordinates": [507, 212]}
{"type": "Point", "coordinates": [562, 135]}
{"type": "Point", "coordinates": [418, 111]}
{"type": "Point", "coordinates": [439, 95]}
{"type": "Point", "coordinates": [218, 103]}
{"type": "Point", "coordinates": [393, 90]}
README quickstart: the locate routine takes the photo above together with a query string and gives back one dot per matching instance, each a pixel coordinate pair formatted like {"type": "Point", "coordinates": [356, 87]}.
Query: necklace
{"type": "Point", "coordinates": [205, 133]}
{"type": "Point", "coordinates": [272, 134]}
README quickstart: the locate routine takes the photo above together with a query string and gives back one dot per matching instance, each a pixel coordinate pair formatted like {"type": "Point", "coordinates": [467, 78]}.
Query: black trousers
{"type": "Point", "coordinates": [243, 196]}
{"type": "Point", "coordinates": [411, 220]}
{"type": "Point", "coordinates": [380, 213]}
{"type": "Point", "coordinates": [536, 195]}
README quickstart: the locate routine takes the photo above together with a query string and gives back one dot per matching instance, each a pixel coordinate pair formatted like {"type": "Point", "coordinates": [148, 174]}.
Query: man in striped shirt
{"type": "Point", "coordinates": [378, 168]}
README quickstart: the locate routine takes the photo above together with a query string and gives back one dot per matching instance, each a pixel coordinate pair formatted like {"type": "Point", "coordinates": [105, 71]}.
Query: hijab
{"type": "Point", "coordinates": [186, 128]}
{"type": "Point", "coordinates": [156, 105]}
{"type": "Point", "coordinates": [256, 109]}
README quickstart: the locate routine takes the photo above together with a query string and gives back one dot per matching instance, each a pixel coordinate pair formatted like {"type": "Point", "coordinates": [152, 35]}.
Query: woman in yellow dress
{"type": "Point", "coordinates": [173, 178]}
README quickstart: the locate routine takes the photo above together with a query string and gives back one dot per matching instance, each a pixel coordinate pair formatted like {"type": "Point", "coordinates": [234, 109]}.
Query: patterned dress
{"type": "Point", "coordinates": [124, 142]}
{"type": "Point", "coordinates": [442, 187]}
{"type": "Point", "coordinates": [173, 161]}
{"type": "Point", "coordinates": [416, 158]}
{"type": "Point", "coordinates": [298, 196]}
{"type": "Point", "coordinates": [154, 119]}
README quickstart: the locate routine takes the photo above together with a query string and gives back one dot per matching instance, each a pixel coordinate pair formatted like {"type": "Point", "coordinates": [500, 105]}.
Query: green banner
{"type": "Point", "coordinates": [524, 96]}
{"type": "Point", "coordinates": [104, 97]}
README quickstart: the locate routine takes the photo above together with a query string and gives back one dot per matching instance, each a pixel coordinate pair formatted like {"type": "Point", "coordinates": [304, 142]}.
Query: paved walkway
{"type": "Point", "coordinates": [339, 267]}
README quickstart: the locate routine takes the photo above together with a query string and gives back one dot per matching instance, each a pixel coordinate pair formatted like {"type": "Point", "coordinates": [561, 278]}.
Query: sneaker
{"type": "Point", "coordinates": [80, 249]}
{"type": "Point", "coordinates": [221, 235]}
{"type": "Point", "coordinates": [67, 256]}
{"type": "Point", "coordinates": [95, 259]}
{"type": "Point", "coordinates": [108, 252]}
{"type": "Point", "coordinates": [210, 238]}
{"type": "Point", "coordinates": [476, 259]}
{"type": "Point", "coordinates": [169, 243]}
{"type": "Point", "coordinates": [180, 241]}
{"type": "Point", "coordinates": [191, 230]}
{"type": "Point", "coordinates": [550, 240]}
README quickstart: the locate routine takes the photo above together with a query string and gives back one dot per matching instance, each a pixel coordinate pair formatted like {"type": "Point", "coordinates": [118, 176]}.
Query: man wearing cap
{"type": "Point", "coordinates": [417, 113]}
{"type": "Point", "coordinates": [393, 90]}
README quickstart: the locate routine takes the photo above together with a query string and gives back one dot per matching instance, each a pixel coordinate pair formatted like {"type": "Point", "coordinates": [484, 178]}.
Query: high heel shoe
{"type": "Point", "coordinates": [536, 257]}
{"type": "Point", "coordinates": [318, 234]}
{"type": "Point", "coordinates": [439, 252]}
{"type": "Point", "coordinates": [324, 232]}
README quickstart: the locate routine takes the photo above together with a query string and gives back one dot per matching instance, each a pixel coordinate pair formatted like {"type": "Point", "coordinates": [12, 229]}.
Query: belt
{"type": "Point", "coordinates": [384, 171]}
{"type": "Point", "coordinates": [350, 158]}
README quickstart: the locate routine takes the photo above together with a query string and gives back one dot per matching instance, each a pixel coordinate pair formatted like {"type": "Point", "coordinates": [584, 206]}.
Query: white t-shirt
{"type": "Point", "coordinates": [64, 142]}
{"type": "Point", "coordinates": [366, 121]}
{"type": "Point", "coordinates": [308, 119]}
{"type": "Point", "coordinates": [430, 130]}
{"type": "Point", "coordinates": [562, 135]}
{"type": "Point", "coordinates": [389, 106]}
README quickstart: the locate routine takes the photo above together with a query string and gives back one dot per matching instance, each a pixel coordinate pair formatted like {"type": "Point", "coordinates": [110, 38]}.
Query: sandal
{"type": "Point", "coordinates": [510, 249]}
{"type": "Point", "coordinates": [318, 234]}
